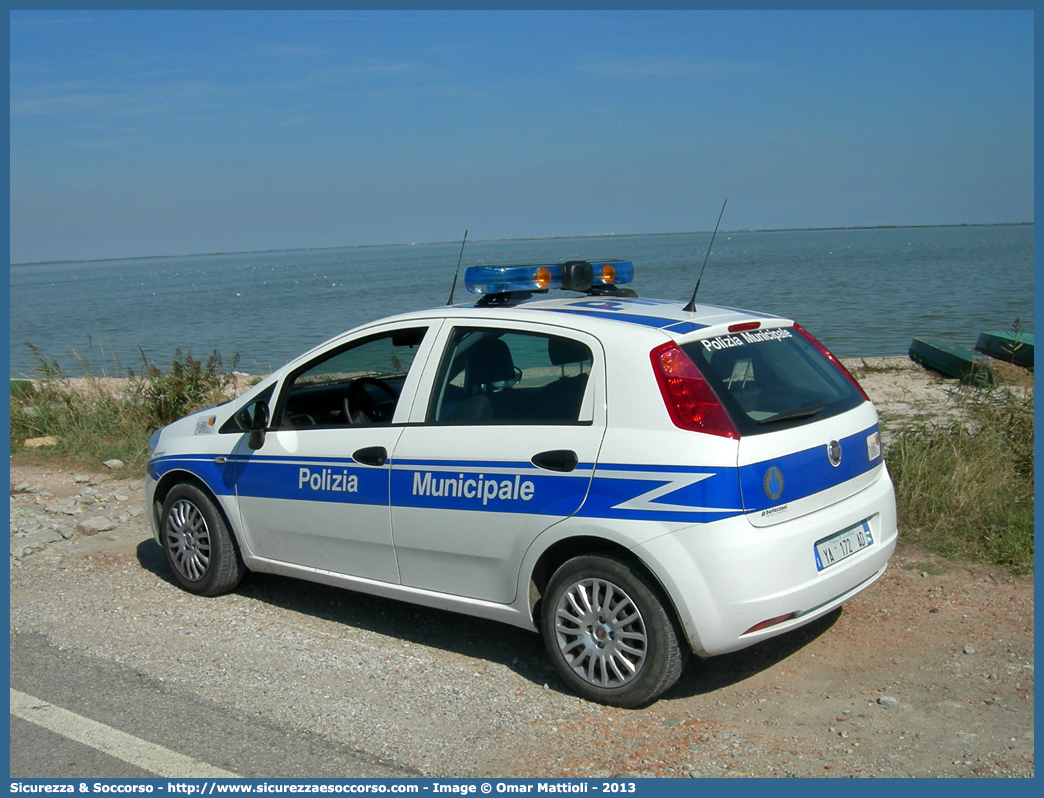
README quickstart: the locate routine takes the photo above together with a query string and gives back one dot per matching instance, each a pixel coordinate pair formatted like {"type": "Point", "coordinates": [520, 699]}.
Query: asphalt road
{"type": "Point", "coordinates": [114, 707]}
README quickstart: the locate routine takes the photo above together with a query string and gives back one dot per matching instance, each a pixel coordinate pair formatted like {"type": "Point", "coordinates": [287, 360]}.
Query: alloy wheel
{"type": "Point", "coordinates": [601, 633]}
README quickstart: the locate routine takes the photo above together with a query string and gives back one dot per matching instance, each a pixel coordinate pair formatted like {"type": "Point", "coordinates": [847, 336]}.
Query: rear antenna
{"type": "Point", "coordinates": [461, 255]}
{"type": "Point", "coordinates": [691, 307]}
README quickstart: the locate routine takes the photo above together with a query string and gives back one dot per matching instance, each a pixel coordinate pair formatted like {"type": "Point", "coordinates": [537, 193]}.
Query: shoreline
{"type": "Point", "coordinates": [530, 238]}
{"type": "Point", "coordinates": [904, 391]}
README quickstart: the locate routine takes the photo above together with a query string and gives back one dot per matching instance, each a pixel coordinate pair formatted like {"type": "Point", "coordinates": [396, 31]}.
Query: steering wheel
{"type": "Point", "coordinates": [359, 405]}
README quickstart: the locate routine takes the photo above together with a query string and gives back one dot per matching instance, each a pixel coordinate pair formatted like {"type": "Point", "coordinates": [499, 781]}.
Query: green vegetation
{"type": "Point", "coordinates": [1019, 339]}
{"type": "Point", "coordinates": [21, 387]}
{"type": "Point", "coordinates": [964, 487]}
{"type": "Point", "coordinates": [93, 419]}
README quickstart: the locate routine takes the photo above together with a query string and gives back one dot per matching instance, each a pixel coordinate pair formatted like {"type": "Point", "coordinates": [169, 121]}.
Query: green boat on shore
{"type": "Point", "coordinates": [1010, 347]}
{"type": "Point", "coordinates": [953, 361]}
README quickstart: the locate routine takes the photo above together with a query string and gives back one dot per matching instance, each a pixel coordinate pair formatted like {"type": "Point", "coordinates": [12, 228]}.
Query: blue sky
{"type": "Point", "coordinates": [163, 133]}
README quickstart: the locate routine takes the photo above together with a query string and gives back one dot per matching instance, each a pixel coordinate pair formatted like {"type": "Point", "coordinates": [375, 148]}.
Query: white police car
{"type": "Point", "coordinates": [632, 479]}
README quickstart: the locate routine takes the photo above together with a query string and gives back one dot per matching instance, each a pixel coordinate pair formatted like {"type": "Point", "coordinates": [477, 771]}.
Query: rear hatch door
{"type": "Point", "coordinates": [808, 434]}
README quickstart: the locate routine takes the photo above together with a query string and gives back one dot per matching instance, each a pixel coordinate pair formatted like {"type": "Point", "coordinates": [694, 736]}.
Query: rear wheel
{"type": "Point", "coordinates": [608, 632]}
{"type": "Point", "coordinates": [198, 544]}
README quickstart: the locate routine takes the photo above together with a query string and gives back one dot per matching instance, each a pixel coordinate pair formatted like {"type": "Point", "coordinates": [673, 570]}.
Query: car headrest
{"type": "Point", "coordinates": [490, 361]}
{"type": "Point", "coordinates": [565, 350]}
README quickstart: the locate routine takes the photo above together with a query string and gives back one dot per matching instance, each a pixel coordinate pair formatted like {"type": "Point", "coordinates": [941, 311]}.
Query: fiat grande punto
{"type": "Point", "coordinates": [635, 480]}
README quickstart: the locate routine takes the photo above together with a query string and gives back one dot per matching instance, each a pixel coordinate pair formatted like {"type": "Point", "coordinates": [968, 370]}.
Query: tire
{"type": "Point", "coordinates": [198, 544]}
{"type": "Point", "coordinates": [609, 633]}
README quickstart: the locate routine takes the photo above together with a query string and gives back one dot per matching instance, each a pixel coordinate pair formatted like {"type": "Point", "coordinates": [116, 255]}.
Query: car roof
{"type": "Point", "coordinates": [606, 317]}
{"type": "Point", "coordinates": [607, 314]}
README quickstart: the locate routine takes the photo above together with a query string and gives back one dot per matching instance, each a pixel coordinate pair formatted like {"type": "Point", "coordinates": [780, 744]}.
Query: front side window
{"type": "Point", "coordinates": [355, 385]}
{"type": "Point", "coordinates": [493, 376]}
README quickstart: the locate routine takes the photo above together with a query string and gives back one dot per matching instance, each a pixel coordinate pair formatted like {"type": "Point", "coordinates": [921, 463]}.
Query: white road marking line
{"type": "Point", "coordinates": [145, 755]}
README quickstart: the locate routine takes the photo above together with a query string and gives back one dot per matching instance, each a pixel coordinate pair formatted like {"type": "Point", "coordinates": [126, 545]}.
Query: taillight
{"type": "Point", "coordinates": [691, 402]}
{"type": "Point", "coordinates": [770, 622]}
{"type": "Point", "coordinates": [827, 354]}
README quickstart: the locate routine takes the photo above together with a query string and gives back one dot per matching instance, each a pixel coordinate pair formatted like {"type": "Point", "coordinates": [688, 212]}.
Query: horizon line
{"type": "Point", "coordinates": [525, 238]}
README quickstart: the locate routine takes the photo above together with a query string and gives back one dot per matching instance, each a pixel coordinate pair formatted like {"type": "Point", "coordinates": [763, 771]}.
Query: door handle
{"type": "Point", "coordinates": [563, 460]}
{"type": "Point", "coordinates": [371, 456]}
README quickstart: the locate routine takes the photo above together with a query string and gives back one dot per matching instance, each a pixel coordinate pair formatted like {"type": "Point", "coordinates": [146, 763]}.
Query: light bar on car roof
{"type": "Point", "coordinates": [574, 275]}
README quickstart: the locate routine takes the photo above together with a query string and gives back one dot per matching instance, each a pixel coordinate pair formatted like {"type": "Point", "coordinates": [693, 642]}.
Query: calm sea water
{"type": "Point", "coordinates": [862, 292]}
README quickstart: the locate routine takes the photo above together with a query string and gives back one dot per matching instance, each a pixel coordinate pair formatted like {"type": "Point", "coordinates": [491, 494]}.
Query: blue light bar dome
{"type": "Point", "coordinates": [572, 276]}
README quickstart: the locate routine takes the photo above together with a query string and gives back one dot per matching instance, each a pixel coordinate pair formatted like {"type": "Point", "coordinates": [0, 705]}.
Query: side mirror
{"type": "Point", "coordinates": [253, 418]}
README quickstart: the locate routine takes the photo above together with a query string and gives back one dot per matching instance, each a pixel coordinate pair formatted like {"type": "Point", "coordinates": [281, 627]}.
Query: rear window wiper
{"type": "Point", "coordinates": [792, 415]}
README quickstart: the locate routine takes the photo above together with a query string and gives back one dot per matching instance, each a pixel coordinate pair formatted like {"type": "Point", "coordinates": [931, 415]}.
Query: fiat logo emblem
{"type": "Point", "coordinates": [834, 453]}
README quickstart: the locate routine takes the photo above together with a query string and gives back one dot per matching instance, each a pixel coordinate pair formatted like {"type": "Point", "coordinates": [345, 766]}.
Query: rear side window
{"type": "Point", "coordinates": [771, 379]}
{"type": "Point", "coordinates": [496, 376]}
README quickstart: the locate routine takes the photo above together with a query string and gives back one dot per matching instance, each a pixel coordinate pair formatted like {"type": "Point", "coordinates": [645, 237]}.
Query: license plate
{"type": "Point", "coordinates": [843, 544]}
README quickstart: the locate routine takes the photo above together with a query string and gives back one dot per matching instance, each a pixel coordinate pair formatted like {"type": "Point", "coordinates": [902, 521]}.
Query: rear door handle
{"type": "Point", "coordinates": [563, 460]}
{"type": "Point", "coordinates": [372, 456]}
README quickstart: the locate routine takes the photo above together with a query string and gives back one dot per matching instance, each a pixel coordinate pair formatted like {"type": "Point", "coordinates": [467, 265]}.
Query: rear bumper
{"type": "Point", "coordinates": [727, 577]}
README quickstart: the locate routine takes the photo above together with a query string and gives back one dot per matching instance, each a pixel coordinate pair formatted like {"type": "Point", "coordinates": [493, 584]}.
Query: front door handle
{"type": "Point", "coordinates": [372, 456]}
{"type": "Point", "coordinates": [563, 460]}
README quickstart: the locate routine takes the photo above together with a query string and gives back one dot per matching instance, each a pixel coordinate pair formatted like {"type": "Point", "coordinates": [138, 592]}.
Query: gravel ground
{"type": "Point", "coordinates": [928, 673]}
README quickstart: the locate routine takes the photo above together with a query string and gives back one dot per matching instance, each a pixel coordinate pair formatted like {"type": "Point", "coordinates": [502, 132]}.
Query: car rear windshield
{"type": "Point", "coordinates": [772, 379]}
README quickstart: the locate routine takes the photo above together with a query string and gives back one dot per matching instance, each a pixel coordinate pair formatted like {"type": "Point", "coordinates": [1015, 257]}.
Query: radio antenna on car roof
{"type": "Point", "coordinates": [457, 272]}
{"type": "Point", "coordinates": [692, 302]}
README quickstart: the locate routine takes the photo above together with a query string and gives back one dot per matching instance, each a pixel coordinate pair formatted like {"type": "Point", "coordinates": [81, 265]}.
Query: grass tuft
{"type": "Point", "coordinates": [190, 385]}
{"type": "Point", "coordinates": [94, 419]}
{"type": "Point", "coordinates": [964, 488]}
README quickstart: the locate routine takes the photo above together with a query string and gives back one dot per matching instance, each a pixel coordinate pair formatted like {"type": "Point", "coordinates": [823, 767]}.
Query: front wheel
{"type": "Point", "coordinates": [198, 544]}
{"type": "Point", "coordinates": [608, 633]}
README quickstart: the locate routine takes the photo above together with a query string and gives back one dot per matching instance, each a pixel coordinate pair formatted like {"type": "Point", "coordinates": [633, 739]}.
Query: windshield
{"type": "Point", "coordinates": [772, 379]}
